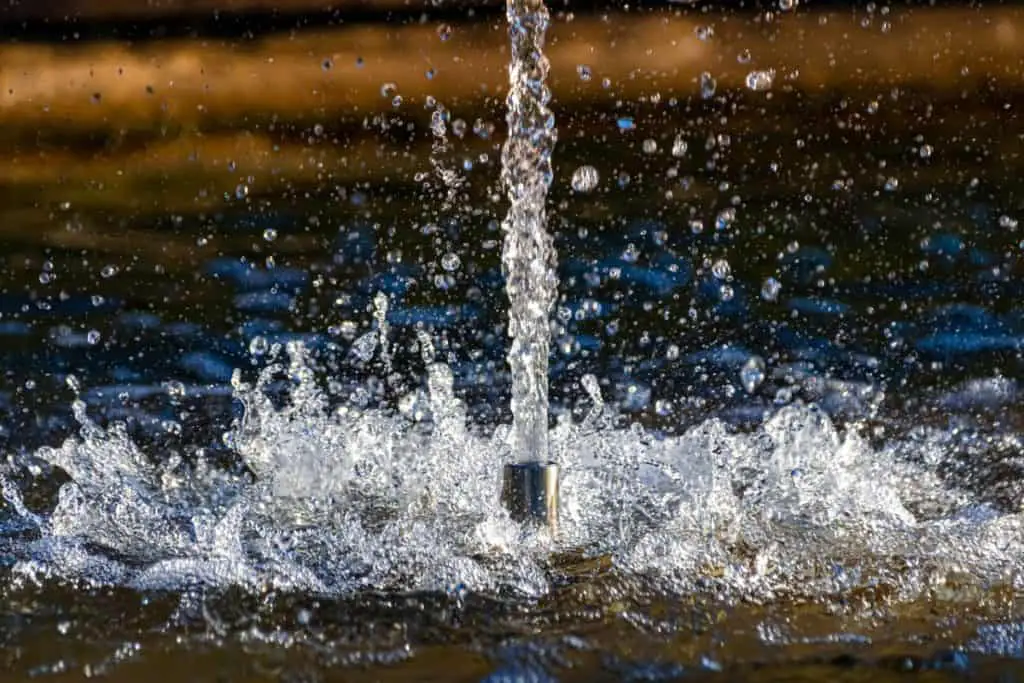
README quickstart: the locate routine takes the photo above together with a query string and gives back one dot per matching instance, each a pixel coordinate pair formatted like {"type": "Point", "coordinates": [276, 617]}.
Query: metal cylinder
{"type": "Point", "coordinates": [529, 492]}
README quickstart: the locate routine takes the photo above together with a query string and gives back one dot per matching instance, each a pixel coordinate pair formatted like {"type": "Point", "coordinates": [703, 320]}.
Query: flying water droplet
{"type": "Point", "coordinates": [451, 262]}
{"type": "Point", "coordinates": [708, 85]}
{"type": "Point", "coordinates": [585, 179]}
{"type": "Point", "coordinates": [752, 374]}
{"type": "Point", "coordinates": [364, 347]}
{"type": "Point", "coordinates": [761, 80]}
{"type": "Point", "coordinates": [679, 146]}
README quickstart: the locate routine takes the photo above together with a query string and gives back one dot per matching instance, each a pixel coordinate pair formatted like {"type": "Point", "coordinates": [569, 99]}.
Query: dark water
{"type": "Point", "coordinates": [863, 244]}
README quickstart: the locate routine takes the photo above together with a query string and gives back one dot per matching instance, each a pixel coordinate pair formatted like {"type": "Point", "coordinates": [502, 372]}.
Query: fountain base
{"type": "Point", "coordinates": [529, 492]}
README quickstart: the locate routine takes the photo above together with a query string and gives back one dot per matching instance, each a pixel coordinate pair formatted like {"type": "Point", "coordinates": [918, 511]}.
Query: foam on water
{"type": "Point", "coordinates": [346, 499]}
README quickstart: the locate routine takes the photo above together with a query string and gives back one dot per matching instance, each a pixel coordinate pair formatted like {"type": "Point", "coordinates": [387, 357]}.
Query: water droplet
{"type": "Point", "coordinates": [672, 352]}
{"type": "Point", "coordinates": [242, 191]}
{"type": "Point", "coordinates": [650, 146]}
{"type": "Point", "coordinates": [175, 389]}
{"type": "Point", "coordinates": [109, 271]}
{"type": "Point", "coordinates": [708, 85]}
{"type": "Point", "coordinates": [721, 269]}
{"type": "Point", "coordinates": [761, 80]}
{"type": "Point", "coordinates": [584, 72]}
{"type": "Point", "coordinates": [396, 101]}
{"type": "Point", "coordinates": [679, 146]}
{"type": "Point", "coordinates": [388, 89]}
{"type": "Point", "coordinates": [97, 300]}
{"type": "Point", "coordinates": [327, 64]}
{"type": "Point", "coordinates": [1007, 222]}
{"type": "Point", "coordinates": [93, 337]}
{"type": "Point", "coordinates": [925, 151]}
{"type": "Point", "coordinates": [743, 57]}
{"type": "Point", "coordinates": [770, 289]}
{"type": "Point", "coordinates": [704, 32]}
{"type": "Point", "coordinates": [364, 347]}
{"type": "Point", "coordinates": [270, 234]}
{"type": "Point", "coordinates": [450, 262]}
{"type": "Point", "coordinates": [892, 184]}
{"type": "Point", "coordinates": [787, 5]}
{"type": "Point", "coordinates": [444, 32]}
{"type": "Point", "coordinates": [752, 374]}
{"type": "Point", "coordinates": [585, 179]}
{"type": "Point", "coordinates": [725, 218]}
{"type": "Point", "coordinates": [258, 346]}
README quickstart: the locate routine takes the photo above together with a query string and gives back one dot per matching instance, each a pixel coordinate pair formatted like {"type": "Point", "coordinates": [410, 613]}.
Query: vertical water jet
{"type": "Point", "coordinates": [528, 261]}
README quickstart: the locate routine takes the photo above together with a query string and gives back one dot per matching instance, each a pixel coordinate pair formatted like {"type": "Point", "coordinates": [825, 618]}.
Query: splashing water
{"type": "Point", "coordinates": [349, 499]}
{"type": "Point", "coordinates": [337, 499]}
{"type": "Point", "coordinates": [528, 257]}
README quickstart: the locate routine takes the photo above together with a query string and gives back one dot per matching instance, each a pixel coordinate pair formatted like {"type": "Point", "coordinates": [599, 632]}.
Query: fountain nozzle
{"type": "Point", "coordinates": [529, 492]}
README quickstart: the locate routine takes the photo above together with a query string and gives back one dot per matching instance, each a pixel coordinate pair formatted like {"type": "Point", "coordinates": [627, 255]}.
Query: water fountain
{"type": "Point", "coordinates": [530, 489]}
{"type": "Point", "coordinates": [790, 491]}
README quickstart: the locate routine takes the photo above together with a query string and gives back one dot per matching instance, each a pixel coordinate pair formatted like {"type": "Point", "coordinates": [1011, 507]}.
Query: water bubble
{"type": "Point", "coordinates": [97, 300]}
{"type": "Point", "coordinates": [760, 80]}
{"type": "Point", "coordinates": [708, 85]}
{"type": "Point", "coordinates": [451, 262]}
{"type": "Point", "coordinates": [672, 352]}
{"type": "Point", "coordinates": [584, 72]}
{"type": "Point", "coordinates": [108, 271]}
{"type": "Point", "coordinates": [396, 101]}
{"type": "Point", "coordinates": [696, 226]}
{"type": "Point", "coordinates": [270, 234]}
{"type": "Point", "coordinates": [585, 179]}
{"type": "Point", "coordinates": [926, 151]}
{"type": "Point", "coordinates": [770, 289]}
{"type": "Point", "coordinates": [444, 32]}
{"type": "Point", "coordinates": [743, 57]}
{"type": "Point", "coordinates": [726, 292]}
{"type": "Point", "coordinates": [93, 337]}
{"type": "Point", "coordinates": [650, 146]}
{"type": "Point", "coordinates": [388, 89]}
{"type": "Point", "coordinates": [679, 146]}
{"type": "Point", "coordinates": [704, 32]}
{"type": "Point", "coordinates": [752, 374]}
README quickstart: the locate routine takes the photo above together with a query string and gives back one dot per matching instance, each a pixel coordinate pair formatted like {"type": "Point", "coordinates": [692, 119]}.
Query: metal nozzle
{"type": "Point", "coordinates": [530, 492]}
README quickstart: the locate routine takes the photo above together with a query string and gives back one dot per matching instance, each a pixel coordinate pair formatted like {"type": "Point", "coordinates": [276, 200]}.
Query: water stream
{"type": "Point", "coordinates": [529, 255]}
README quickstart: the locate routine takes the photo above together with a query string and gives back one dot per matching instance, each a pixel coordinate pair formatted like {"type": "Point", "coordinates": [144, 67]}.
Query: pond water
{"type": "Point", "coordinates": [257, 432]}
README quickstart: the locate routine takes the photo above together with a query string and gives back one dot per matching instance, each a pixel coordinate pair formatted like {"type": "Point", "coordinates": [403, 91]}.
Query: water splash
{"type": "Point", "coordinates": [341, 499]}
{"type": "Point", "coordinates": [528, 257]}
